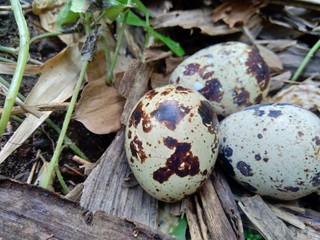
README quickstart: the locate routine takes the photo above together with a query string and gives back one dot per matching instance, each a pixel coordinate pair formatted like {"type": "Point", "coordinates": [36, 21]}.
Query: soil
{"type": "Point", "coordinates": [19, 164]}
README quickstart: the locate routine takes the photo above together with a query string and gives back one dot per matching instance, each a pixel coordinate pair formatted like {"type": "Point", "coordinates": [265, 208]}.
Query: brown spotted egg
{"type": "Point", "coordinates": [231, 75]}
{"type": "Point", "coordinates": [273, 150]}
{"type": "Point", "coordinates": [172, 142]}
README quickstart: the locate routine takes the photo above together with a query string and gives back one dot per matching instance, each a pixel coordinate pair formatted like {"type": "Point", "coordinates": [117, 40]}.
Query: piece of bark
{"type": "Point", "coordinates": [216, 220]}
{"type": "Point", "coordinates": [103, 188]}
{"type": "Point", "coordinates": [264, 219]}
{"type": "Point", "coordinates": [227, 201]}
{"type": "Point", "coordinates": [28, 212]}
{"type": "Point", "coordinates": [193, 222]}
{"type": "Point", "coordinates": [139, 87]}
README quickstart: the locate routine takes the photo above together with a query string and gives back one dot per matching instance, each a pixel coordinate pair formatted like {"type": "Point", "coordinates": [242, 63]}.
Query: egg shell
{"type": "Point", "coordinates": [231, 75]}
{"type": "Point", "coordinates": [172, 142]}
{"type": "Point", "coordinates": [273, 150]}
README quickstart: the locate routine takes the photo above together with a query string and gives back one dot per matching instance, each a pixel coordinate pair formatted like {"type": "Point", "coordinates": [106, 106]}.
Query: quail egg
{"type": "Point", "coordinates": [273, 150]}
{"type": "Point", "coordinates": [172, 142]}
{"type": "Point", "coordinates": [231, 75]}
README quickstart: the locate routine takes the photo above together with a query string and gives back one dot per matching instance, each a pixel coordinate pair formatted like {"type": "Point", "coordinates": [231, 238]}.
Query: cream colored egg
{"type": "Point", "coordinates": [172, 142]}
{"type": "Point", "coordinates": [230, 75]}
{"type": "Point", "coordinates": [273, 150]}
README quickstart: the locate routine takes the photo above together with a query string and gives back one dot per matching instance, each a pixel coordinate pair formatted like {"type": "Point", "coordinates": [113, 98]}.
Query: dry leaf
{"type": "Point", "coordinates": [272, 60]}
{"type": "Point", "coordinates": [56, 84]}
{"type": "Point", "coordinates": [30, 70]}
{"type": "Point", "coordinates": [305, 94]}
{"type": "Point", "coordinates": [48, 18]}
{"type": "Point", "coordinates": [237, 12]}
{"type": "Point", "coordinates": [100, 107]}
{"type": "Point", "coordinates": [199, 18]}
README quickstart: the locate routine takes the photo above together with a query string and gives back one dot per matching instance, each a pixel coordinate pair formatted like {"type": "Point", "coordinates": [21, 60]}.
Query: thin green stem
{"type": "Point", "coordinates": [76, 150]}
{"type": "Point", "coordinates": [9, 50]}
{"type": "Point", "coordinates": [64, 186]}
{"type": "Point", "coordinates": [21, 64]}
{"type": "Point", "coordinates": [110, 76]}
{"type": "Point", "coordinates": [2, 59]}
{"type": "Point", "coordinates": [45, 35]}
{"type": "Point", "coordinates": [306, 60]}
{"type": "Point", "coordinates": [55, 158]}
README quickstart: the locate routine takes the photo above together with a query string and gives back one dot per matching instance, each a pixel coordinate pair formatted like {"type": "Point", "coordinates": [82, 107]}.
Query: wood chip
{"type": "Point", "coordinates": [216, 220]}
{"type": "Point", "coordinates": [103, 189]}
{"type": "Point", "coordinates": [227, 201]}
{"type": "Point", "coordinates": [264, 219]}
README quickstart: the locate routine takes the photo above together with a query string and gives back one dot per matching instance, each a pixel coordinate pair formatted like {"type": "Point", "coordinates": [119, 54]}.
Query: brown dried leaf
{"type": "Point", "coordinates": [272, 60]}
{"type": "Point", "coordinates": [56, 84]}
{"type": "Point", "coordinates": [199, 18]}
{"type": "Point", "coordinates": [306, 95]}
{"type": "Point", "coordinates": [100, 107]}
{"type": "Point", "coordinates": [237, 12]}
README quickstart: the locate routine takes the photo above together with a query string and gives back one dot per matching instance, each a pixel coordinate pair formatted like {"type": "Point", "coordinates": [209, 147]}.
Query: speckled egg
{"type": "Point", "coordinates": [231, 75]}
{"type": "Point", "coordinates": [172, 142]}
{"type": "Point", "coordinates": [273, 150]}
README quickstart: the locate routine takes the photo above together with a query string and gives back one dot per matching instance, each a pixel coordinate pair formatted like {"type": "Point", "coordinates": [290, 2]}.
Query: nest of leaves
{"type": "Point", "coordinates": [121, 50]}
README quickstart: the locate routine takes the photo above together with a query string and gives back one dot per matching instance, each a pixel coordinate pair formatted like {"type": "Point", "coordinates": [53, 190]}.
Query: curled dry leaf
{"type": "Point", "coordinates": [237, 12]}
{"type": "Point", "coordinates": [305, 94]}
{"type": "Point", "coordinates": [100, 107]}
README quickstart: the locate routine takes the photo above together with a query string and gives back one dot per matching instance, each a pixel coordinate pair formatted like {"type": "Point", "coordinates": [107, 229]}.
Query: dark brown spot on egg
{"type": "Point", "coordinates": [137, 150]}
{"type": "Point", "coordinates": [315, 181]}
{"type": "Point", "coordinates": [149, 95]}
{"type": "Point", "coordinates": [205, 75]}
{"type": "Point", "coordinates": [208, 116]}
{"type": "Point", "coordinates": [182, 162]}
{"type": "Point", "coordinates": [166, 92]}
{"type": "Point", "coordinates": [257, 157]}
{"type": "Point", "coordinates": [212, 90]}
{"type": "Point", "coordinates": [316, 140]}
{"type": "Point", "coordinates": [240, 96]}
{"type": "Point", "coordinates": [301, 134]}
{"type": "Point", "coordinates": [258, 68]}
{"type": "Point", "coordinates": [275, 113]}
{"type": "Point", "coordinates": [183, 90]}
{"type": "Point", "coordinates": [258, 98]}
{"type": "Point", "coordinates": [170, 113]}
{"type": "Point", "coordinates": [244, 168]}
{"type": "Point", "coordinates": [191, 69]}
{"type": "Point", "coordinates": [136, 115]}
{"type": "Point", "coordinates": [288, 189]}
{"type": "Point", "coordinates": [227, 151]}
{"type": "Point", "coordinates": [129, 134]}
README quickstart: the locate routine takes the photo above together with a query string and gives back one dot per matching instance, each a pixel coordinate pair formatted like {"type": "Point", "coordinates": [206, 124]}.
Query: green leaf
{"type": "Point", "coordinates": [134, 20]}
{"type": "Point", "coordinates": [139, 5]}
{"type": "Point", "coordinates": [180, 231]}
{"type": "Point", "coordinates": [79, 6]}
{"type": "Point", "coordinates": [172, 45]}
{"type": "Point", "coordinates": [114, 11]}
{"type": "Point", "coordinates": [66, 16]}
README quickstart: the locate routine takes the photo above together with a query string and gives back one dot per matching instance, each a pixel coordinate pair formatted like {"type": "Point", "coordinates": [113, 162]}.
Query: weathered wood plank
{"type": "Point", "coordinates": [28, 212]}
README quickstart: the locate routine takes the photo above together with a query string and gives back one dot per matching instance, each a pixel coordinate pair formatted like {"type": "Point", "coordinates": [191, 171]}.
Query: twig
{"type": "Point", "coordinates": [54, 107]}
{"type": "Point", "coordinates": [21, 64]}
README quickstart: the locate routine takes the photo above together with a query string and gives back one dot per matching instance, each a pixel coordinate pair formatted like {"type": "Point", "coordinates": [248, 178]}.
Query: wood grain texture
{"type": "Point", "coordinates": [264, 219]}
{"type": "Point", "coordinates": [216, 220]}
{"type": "Point", "coordinates": [227, 201]}
{"type": "Point", "coordinates": [28, 212]}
